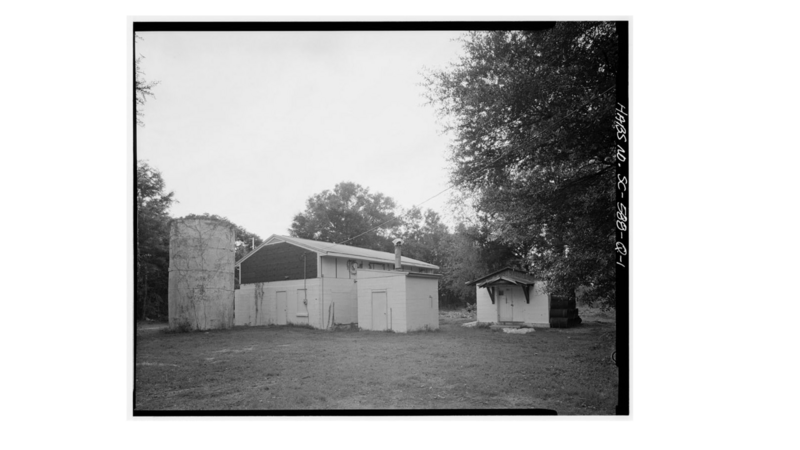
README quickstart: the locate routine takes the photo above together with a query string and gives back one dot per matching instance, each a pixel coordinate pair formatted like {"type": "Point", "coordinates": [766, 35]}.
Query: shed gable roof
{"type": "Point", "coordinates": [340, 250]}
{"type": "Point", "coordinates": [505, 274]}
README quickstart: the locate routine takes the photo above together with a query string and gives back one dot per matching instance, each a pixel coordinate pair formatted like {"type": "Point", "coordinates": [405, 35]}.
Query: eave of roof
{"type": "Point", "coordinates": [523, 277]}
{"type": "Point", "coordinates": [423, 275]}
{"type": "Point", "coordinates": [340, 250]}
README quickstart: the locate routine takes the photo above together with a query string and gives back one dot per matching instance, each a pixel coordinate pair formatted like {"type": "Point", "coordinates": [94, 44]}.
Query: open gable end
{"type": "Point", "coordinates": [278, 262]}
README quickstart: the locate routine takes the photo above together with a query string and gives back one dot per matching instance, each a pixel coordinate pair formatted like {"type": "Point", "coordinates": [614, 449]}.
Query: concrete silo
{"type": "Point", "coordinates": [201, 260]}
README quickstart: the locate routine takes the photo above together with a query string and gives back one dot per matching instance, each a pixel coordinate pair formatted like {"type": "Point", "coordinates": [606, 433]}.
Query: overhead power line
{"type": "Point", "coordinates": [451, 185]}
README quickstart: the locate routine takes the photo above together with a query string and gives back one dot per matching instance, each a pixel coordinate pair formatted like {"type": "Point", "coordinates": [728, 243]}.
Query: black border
{"type": "Point", "coordinates": [340, 26]}
{"type": "Point", "coordinates": [135, 217]}
{"type": "Point", "coordinates": [349, 412]}
{"type": "Point", "coordinates": [623, 281]}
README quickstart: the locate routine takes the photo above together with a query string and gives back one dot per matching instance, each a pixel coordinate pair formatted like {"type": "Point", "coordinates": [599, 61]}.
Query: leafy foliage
{"type": "Point", "coordinates": [152, 237]}
{"type": "Point", "coordinates": [532, 114]}
{"type": "Point", "coordinates": [425, 236]}
{"type": "Point", "coordinates": [471, 254]}
{"type": "Point", "coordinates": [143, 88]}
{"type": "Point", "coordinates": [427, 239]}
{"type": "Point", "coordinates": [245, 240]}
{"type": "Point", "coordinates": [345, 212]}
{"type": "Point", "coordinates": [349, 210]}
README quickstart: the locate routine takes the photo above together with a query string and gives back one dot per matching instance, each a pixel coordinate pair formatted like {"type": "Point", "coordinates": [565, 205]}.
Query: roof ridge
{"type": "Point", "coordinates": [330, 247]}
{"type": "Point", "coordinates": [527, 274]}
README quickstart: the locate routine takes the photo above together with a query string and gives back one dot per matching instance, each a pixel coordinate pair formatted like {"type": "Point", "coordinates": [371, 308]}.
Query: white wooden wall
{"type": "Point", "coordinates": [422, 303]}
{"type": "Point", "coordinates": [487, 312]}
{"type": "Point", "coordinates": [328, 267]}
{"type": "Point", "coordinates": [341, 293]}
{"type": "Point", "coordinates": [412, 303]}
{"type": "Point", "coordinates": [252, 308]}
{"type": "Point", "coordinates": [394, 285]}
{"type": "Point", "coordinates": [536, 313]}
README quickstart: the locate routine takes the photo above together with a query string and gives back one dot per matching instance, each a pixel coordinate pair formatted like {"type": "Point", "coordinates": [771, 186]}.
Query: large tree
{"type": "Point", "coordinates": [531, 113]}
{"type": "Point", "coordinates": [152, 241]}
{"type": "Point", "coordinates": [347, 213]}
{"type": "Point", "coordinates": [473, 251]}
{"type": "Point", "coordinates": [426, 237]}
{"type": "Point", "coordinates": [142, 87]}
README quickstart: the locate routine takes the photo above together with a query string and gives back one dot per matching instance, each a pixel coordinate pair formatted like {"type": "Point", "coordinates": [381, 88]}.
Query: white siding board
{"type": "Point", "coordinates": [343, 295]}
{"type": "Point", "coordinates": [422, 303]}
{"type": "Point", "coordinates": [394, 285]}
{"type": "Point", "coordinates": [252, 306]}
{"type": "Point", "coordinates": [328, 267]}
{"type": "Point", "coordinates": [487, 312]}
{"type": "Point", "coordinates": [536, 313]}
{"type": "Point", "coordinates": [341, 269]}
{"type": "Point", "coordinates": [252, 309]}
{"type": "Point", "coordinates": [243, 305]}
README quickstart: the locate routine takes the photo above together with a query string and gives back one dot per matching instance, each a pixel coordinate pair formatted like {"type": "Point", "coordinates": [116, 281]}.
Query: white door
{"type": "Point", "coordinates": [504, 304]}
{"type": "Point", "coordinates": [379, 318]}
{"type": "Point", "coordinates": [518, 306]}
{"type": "Point", "coordinates": [280, 307]}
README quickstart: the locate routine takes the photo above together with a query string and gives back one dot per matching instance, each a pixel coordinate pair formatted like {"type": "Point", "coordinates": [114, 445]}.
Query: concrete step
{"type": "Point", "coordinates": [509, 325]}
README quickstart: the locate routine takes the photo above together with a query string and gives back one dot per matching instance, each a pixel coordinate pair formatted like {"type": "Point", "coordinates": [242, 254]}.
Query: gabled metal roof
{"type": "Point", "coordinates": [342, 251]}
{"type": "Point", "coordinates": [505, 274]}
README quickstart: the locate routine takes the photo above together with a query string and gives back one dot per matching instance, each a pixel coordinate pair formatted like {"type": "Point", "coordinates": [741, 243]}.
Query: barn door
{"type": "Point", "coordinates": [379, 319]}
{"type": "Point", "coordinates": [518, 306]}
{"type": "Point", "coordinates": [280, 308]}
{"type": "Point", "coordinates": [504, 304]}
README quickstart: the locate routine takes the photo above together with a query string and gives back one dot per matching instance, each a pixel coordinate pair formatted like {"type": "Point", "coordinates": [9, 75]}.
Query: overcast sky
{"type": "Point", "coordinates": [248, 125]}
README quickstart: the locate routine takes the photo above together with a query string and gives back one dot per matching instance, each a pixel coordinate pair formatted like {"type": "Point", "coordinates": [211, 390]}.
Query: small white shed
{"type": "Point", "coordinates": [508, 296]}
{"type": "Point", "coordinates": [290, 280]}
{"type": "Point", "coordinates": [397, 301]}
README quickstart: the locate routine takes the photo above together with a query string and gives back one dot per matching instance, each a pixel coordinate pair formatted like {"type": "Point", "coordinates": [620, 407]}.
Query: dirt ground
{"type": "Point", "coordinates": [282, 368]}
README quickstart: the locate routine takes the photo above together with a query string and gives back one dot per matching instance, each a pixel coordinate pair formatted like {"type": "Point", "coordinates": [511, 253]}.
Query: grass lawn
{"type": "Point", "coordinates": [279, 368]}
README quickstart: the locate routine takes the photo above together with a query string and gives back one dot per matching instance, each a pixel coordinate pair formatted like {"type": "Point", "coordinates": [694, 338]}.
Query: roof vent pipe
{"type": "Point", "coordinates": [398, 245]}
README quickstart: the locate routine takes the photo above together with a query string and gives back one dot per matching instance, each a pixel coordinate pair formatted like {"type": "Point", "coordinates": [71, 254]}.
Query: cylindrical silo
{"type": "Point", "coordinates": [201, 260]}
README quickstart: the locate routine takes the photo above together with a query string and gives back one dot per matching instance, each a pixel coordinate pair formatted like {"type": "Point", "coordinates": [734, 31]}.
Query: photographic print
{"type": "Point", "coordinates": [380, 218]}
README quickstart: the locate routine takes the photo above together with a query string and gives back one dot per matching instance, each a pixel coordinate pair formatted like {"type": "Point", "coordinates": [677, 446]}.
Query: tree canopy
{"type": "Point", "coordinates": [152, 239]}
{"type": "Point", "coordinates": [531, 113]}
{"type": "Point", "coordinates": [347, 211]}
{"type": "Point", "coordinates": [142, 87]}
{"type": "Point", "coordinates": [425, 236]}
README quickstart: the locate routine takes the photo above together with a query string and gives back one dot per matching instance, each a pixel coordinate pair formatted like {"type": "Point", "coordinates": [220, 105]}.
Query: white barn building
{"type": "Point", "coordinates": [288, 280]}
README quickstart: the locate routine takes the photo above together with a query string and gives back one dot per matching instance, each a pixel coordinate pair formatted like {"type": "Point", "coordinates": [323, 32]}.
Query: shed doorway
{"type": "Point", "coordinates": [379, 311]}
{"type": "Point", "coordinates": [510, 305]}
{"type": "Point", "coordinates": [280, 306]}
{"type": "Point", "coordinates": [505, 305]}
